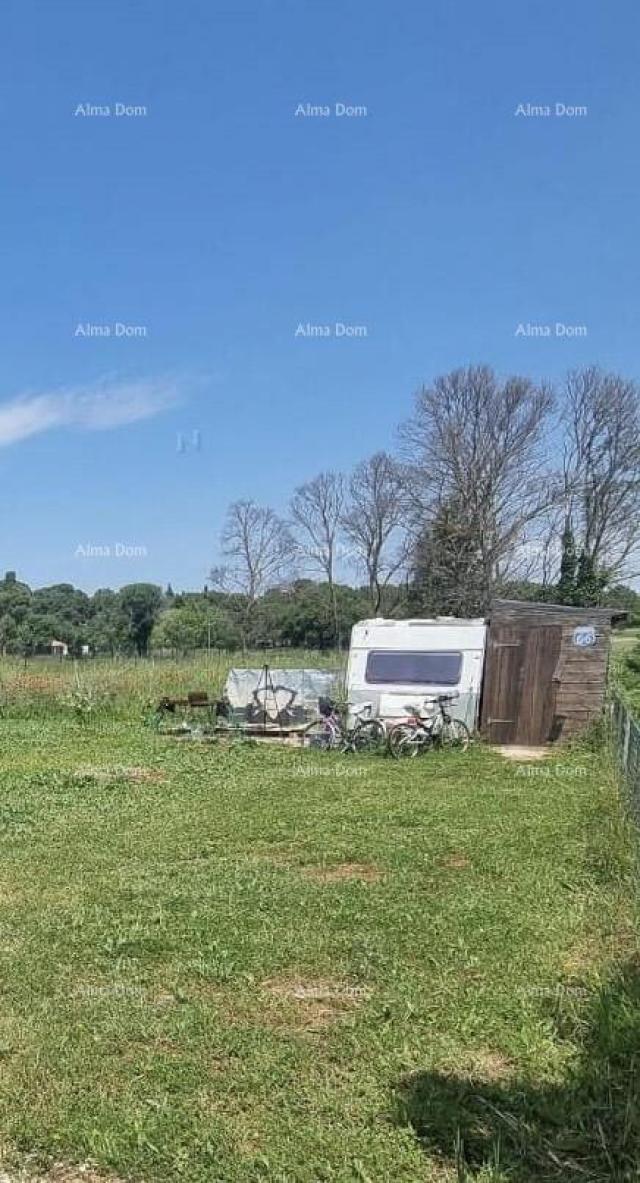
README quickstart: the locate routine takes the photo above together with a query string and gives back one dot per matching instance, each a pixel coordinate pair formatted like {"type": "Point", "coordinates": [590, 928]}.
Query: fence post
{"type": "Point", "coordinates": [625, 742]}
{"type": "Point", "coordinates": [625, 736]}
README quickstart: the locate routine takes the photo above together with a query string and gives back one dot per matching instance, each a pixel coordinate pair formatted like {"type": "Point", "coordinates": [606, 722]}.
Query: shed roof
{"type": "Point", "coordinates": [540, 608]}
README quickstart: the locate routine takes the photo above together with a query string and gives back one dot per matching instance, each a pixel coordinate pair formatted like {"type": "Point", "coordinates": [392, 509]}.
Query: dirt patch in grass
{"type": "Point", "coordinates": [154, 775]}
{"type": "Point", "coordinates": [487, 1065]}
{"type": "Point", "coordinates": [582, 957]}
{"type": "Point", "coordinates": [8, 896]}
{"type": "Point", "coordinates": [455, 862]}
{"type": "Point", "coordinates": [620, 945]}
{"type": "Point", "coordinates": [521, 754]}
{"type": "Point", "coordinates": [343, 872]}
{"type": "Point", "coordinates": [137, 1048]}
{"type": "Point", "coordinates": [318, 1003]}
{"type": "Point", "coordinates": [60, 1173]}
{"type": "Point", "coordinates": [338, 873]}
{"type": "Point", "coordinates": [132, 772]}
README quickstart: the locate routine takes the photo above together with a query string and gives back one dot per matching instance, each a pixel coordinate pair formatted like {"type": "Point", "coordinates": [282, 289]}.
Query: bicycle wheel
{"type": "Point", "coordinates": [404, 741]}
{"type": "Point", "coordinates": [368, 736]}
{"type": "Point", "coordinates": [321, 735]}
{"type": "Point", "coordinates": [453, 734]}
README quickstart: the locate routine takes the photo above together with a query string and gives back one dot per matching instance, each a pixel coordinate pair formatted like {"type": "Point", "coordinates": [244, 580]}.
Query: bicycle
{"type": "Point", "coordinates": [438, 729]}
{"type": "Point", "coordinates": [329, 733]}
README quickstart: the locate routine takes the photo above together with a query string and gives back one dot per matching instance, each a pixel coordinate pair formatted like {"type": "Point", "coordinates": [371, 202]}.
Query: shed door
{"type": "Point", "coordinates": [518, 704]}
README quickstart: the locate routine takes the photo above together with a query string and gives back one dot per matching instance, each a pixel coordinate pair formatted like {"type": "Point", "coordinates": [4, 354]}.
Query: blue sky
{"type": "Point", "coordinates": [219, 221]}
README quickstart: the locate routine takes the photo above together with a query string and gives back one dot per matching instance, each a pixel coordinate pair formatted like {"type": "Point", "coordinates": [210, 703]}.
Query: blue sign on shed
{"type": "Point", "coordinates": [585, 636]}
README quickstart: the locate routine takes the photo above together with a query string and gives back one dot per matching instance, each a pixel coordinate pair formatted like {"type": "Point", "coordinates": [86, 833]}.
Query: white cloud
{"type": "Point", "coordinates": [105, 404]}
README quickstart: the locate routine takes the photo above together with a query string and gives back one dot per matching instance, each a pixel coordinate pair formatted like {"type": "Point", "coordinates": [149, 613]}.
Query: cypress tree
{"type": "Point", "coordinates": [591, 581]}
{"type": "Point", "coordinates": [566, 587]}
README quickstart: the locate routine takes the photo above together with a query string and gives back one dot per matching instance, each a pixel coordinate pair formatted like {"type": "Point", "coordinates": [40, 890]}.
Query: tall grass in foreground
{"type": "Point", "coordinates": [117, 686]}
{"type": "Point", "coordinates": [625, 670]}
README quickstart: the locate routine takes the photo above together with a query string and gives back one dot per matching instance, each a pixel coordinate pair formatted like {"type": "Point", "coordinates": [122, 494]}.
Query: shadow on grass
{"type": "Point", "coordinates": [587, 1129]}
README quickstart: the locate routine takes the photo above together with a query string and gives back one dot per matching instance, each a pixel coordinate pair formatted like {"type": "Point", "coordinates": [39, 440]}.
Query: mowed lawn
{"type": "Point", "coordinates": [624, 640]}
{"type": "Point", "coordinates": [259, 964]}
{"type": "Point", "coordinates": [626, 667]}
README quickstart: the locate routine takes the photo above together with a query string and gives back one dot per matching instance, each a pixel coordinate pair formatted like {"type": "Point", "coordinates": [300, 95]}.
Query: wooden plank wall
{"type": "Point", "coordinates": [582, 678]}
{"type": "Point", "coordinates": [581, 674]}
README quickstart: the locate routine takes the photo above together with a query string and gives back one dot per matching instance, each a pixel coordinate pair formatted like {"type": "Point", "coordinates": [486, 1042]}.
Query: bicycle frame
{"type": "Point", "coordinates": [338, 735]}
{"type": "Point", "coordinates": [428, 725]}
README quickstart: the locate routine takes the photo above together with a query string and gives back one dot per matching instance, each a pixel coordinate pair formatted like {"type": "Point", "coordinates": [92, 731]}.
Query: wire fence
{"type": "Point", "coordinates": [625, 732]}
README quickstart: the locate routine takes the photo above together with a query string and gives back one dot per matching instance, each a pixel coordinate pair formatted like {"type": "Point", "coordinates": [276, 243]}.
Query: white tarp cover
{"type": "Point", "coordinates": [279, 697]}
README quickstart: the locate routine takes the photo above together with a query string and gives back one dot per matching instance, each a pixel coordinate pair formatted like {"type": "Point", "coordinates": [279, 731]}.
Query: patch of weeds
{"type": "Point", "coordinates": [15, 820]}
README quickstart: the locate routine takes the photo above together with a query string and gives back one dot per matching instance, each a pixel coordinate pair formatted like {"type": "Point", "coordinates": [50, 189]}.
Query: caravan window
{"type": "Point", "coordinates": [409, 667]}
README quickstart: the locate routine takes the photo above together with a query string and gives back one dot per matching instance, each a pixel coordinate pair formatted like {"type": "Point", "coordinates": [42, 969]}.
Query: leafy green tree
{"type": "Point", "coordinates": [140, 604]}
{"type": "Point", "coordinates": [106, 631]}
{"type": "Point", "coordinates": [209, 622]}
{"type": "Point", "coordinates": [8, 632]}
{"type": "Point", "coordinates": [194, 625]}
{"type": "Point", "coordinates": [302, 614]}
{"type": "Point", "coordinates": [62, 602]}
{"type": "Point", "coordinates": [15, 597]}
{"type": "Point", "coordinates": [36, 633]}
{"type": "Point", "coordinates": [528, 589]}
{"type": "Point", "coordinates": [67, 611]}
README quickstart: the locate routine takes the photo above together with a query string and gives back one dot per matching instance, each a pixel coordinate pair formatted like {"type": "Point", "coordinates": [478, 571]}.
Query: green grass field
{"type": "Point", "coordinates": [626, 666]}
{"type": "Point", "coordinates": [253, 963]}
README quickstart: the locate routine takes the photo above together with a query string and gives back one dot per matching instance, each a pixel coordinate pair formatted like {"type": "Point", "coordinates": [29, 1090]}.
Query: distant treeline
{"type": "Point", "coordinates": [143, 617]}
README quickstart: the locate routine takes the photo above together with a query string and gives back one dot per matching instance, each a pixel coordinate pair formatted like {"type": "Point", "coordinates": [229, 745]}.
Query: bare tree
{"type": "Point", "coordinates": [547, 547]}
{"type": "Point", "coordinates": [602, 463]}
{"type": "Point", "coordinates": [478, 443]}
{"type": "Point", "coordinates": [316, 510]}
{"type": "Point", "coordinates": [258, 549]}
{"type": "Point", "coordinates": [372, 521]}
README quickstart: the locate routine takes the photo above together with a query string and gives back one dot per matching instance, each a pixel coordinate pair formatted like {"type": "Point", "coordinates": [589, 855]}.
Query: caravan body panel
{"type": "Point", "coordinates": [396, 664]}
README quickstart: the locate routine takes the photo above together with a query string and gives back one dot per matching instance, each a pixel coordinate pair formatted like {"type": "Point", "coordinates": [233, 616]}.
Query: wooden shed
{"type": "Point", "coordinates": [545, 671]}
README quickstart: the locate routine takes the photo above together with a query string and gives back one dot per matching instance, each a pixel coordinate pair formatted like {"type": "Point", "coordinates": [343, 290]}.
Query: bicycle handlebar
{"type": "Point", "coordinates": [442, 697]}
{"type": "Point", "coordinates": [431, 699]}
{"type": "Point", "coordinates": [362, 708]}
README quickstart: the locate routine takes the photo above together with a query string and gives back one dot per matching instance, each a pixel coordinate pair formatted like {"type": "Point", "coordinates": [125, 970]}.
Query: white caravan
{"type": "Point", "coordinates": [397, 663]}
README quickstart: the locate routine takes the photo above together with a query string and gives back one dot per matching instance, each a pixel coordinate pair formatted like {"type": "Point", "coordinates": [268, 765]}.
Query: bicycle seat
{"type": "Point", "coordinates": [415, 711]}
